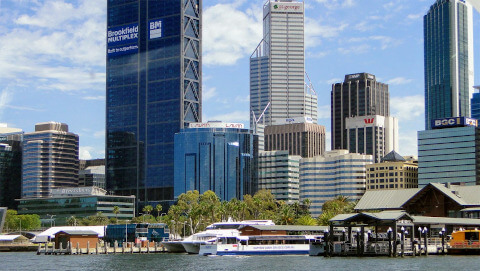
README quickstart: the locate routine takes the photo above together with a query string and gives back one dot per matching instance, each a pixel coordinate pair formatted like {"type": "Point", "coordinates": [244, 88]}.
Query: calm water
{"type": "Point", "coordinates": [30, 261]}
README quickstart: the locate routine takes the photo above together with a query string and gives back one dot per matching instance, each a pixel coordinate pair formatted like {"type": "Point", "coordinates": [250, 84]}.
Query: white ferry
{"type": "Point", "coordinates": [259, 245]}
{"type": "Point", "coordinates": [219, 229]}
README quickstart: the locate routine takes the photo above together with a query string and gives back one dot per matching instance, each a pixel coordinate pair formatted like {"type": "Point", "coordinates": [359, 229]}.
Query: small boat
{"type": "Point", "coordinates": [219, 229]}
{"type": "Point", "coordinates": [464, 242]}
{"type": "Point", "coordinates": [259, 245]}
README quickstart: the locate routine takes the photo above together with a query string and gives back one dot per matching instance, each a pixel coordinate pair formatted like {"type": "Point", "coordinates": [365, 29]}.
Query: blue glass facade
{"type": "Point", "coordinates": [448, 52]}
{"type": "Point", "coordinates": [475, 103]}
{"type": "Point", "coordinates": [10, 172]}
{"type": "Point", "coordinates": [449, 155]}
{"type": "Point", "coordinates": [153, 91]}
{"type": "Point", "coordinates": [219, 159]}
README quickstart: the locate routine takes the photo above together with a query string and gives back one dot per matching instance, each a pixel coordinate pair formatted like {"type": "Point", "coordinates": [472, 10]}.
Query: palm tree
{"type": "Point", "coordinates": [158, 208]}
{"type": "Point", "coordinates": [116, 211]}
{"type": "Point", "coordinates": [147, 209]}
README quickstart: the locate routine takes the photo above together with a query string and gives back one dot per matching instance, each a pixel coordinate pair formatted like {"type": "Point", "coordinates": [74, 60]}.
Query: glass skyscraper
{"type": "Point", "coordinates": [153, 91]}
{"type": "Point", "coordinates": [475, 104]}
{"type": "Point", "coordinates": [216, 157]}
{"type": "Point", "coordinates": [277, 66]}
{"type": "Point", "coordinates": [449, 67]}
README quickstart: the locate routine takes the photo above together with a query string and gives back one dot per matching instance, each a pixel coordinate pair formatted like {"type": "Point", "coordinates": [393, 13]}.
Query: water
{"type": "Point", "coordinates": [31, 261]}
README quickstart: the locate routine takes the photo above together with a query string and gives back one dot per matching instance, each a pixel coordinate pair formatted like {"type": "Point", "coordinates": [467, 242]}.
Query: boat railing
{"type": "Point", "coordinates": [465, 244]}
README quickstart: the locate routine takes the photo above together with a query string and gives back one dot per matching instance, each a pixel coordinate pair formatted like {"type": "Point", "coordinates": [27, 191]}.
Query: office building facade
{"type": "Point", "coordinates": [297, 136]}
{"type": "Point", "coordinates": [449, 66]}
{"type": "Point", "coordinates": [336, 173]}
{"type": "Point", "coordinates": [374, 135]}
{"type": "Point", "coordinates": [359, 95]}
{"type": "Point", "coordinates": [153, 90]}
{"type": "Point", "coordinates": [394, 172]}
{"type": "Point", "coordinates": [475, 105]}
{"type": "Point", "coordinates": [279, 172]}
{"type": "Point", "coordinates": [449, 153]}
{"type": "Point", "coordinates": [10, 166]}
{"type": "Point", "coordinates": [277, 66]}
{"type": "Point", "coordinates": [50, 160]}
{"type": "Point", "coordinates": [92, 176]}
{"type": "Point", "coordinates": [216, 156]}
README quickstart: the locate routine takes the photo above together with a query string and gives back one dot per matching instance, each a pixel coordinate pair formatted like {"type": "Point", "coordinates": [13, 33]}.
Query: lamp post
{"type": "Point", "coordinates": [327, 245]}
{"type": "Point", "coordinates": [402, 242]}
{"type": "Point", "coordinates": [389, 234]}
{"type": "Point", "coordinates": [442, 232]}
{"type": "Point", "coordinates": [420, 240]}
{"type": "Point", "coordinates": [358, 242]}
{"type": "Point", "coordinates": [425, 230]}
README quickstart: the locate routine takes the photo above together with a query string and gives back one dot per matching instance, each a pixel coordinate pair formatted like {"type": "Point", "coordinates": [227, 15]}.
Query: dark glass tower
{"type": "Point", "coordinates": [475, 104]}
{"type": "Point", "coordinates": [153, 90]}
{"type": "Point", "coordinates": [359, 95]}
{"type": "Point", "coordinates": [449, 71]}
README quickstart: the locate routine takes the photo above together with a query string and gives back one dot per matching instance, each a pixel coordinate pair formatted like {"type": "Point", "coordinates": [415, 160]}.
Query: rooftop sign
{"type": "Point", "coordinates": [454, 122]}
{"type": "Point", "coordinates": [216, 125]}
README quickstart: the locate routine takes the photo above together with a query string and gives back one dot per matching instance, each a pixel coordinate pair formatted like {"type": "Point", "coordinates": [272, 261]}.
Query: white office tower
{"type": "Point", "coordinates": [277, 67]}
{"type": "Point", "coordinates": [336, 173]}
{"type": "Point", "coordinates": [375, 135]}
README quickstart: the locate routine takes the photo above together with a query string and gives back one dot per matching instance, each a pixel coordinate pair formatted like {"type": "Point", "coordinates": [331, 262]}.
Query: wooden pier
{"type": "Point", "coordinates": [130, 248]}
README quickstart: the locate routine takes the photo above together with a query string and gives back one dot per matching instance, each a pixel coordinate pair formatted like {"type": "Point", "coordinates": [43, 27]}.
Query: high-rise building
{"type": "Point", "coordinates": [449, 66]}
{"type": "Point", "coordinates": [92, 176]}
{"type": "Point", "coordinates": [279, 172]}
{"type": "Point", "coordinates": [475, 104]}
{"type": "Point", "coordinates": [50, 160]}
{"type": "Point", "coordinates": [153, 90]}
{"type": "Point", "coordinates": [336, 173]}
{"type": "Point", "coordinates": [277, 66]}
{"type": "Point", "coordinates": [449, 153]}
{"type": "Point", "coordinates": [10, 166]}
{"type": "Point", "coordinates": [359, 95]}
{"type": "Point", "coordinates": [298, 136]}
{"type": "Point", "coordinates": [375, 135]}
{"type": "Point", "coordinates": [216, 156]}
{"type": "Point", "coordinates": [394, 172]}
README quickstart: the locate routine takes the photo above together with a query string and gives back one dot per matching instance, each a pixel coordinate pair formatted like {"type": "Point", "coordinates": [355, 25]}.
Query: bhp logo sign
{"type": "Point", "coordinates": [369, 121]}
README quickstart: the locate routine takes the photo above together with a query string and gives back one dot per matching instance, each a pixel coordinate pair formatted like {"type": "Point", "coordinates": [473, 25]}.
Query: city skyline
{"type": "Point", "coordinates": [53, 60]}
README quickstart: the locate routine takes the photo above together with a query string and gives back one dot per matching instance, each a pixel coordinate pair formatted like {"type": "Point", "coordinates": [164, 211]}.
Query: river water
{"type": "Point", "coordinates": [30, 261]}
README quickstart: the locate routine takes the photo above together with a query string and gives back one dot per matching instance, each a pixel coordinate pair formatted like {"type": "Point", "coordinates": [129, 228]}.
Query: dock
{"type": "Point", "coordinates": [98, 248]}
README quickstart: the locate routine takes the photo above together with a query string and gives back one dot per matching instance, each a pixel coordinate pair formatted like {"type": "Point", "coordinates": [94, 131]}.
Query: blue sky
{"type": "Point", "coordinates": [52, 60]}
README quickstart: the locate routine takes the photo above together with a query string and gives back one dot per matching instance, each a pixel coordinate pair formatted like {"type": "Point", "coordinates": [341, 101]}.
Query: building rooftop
{"type": "Point", "coordinates": [393, 156]}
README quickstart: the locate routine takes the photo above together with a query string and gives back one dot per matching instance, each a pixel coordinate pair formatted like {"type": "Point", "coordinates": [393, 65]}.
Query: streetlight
{"type": "Point", "coordinates": [51, 219]}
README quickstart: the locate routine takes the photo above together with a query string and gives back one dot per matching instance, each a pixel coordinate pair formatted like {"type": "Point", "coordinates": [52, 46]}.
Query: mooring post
{"type": "Point", "coordinates": [389, 233]}
{"type": "Point", "coordinates": [402, 242]}
{"type": "Point", "coordinates": [78, 249]}
{"type": "Point", "coordinates": [88, 247]}
{"type": "Point", "coordinates": [326, 243]}
{"type": "Point", "coordinates": [443, 241]}
{"type": "Point", "coordinates": [426, 241]}
{"type": "Point", "coordinates": [96, 248]}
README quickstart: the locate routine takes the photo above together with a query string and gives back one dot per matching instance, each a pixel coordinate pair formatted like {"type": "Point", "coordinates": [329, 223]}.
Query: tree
{"type": "Point", "coordinates": [158, 208]}
{"type": "Point", "coordinates": [116, 211]}
{"type": "Point", "coordinates": [14, 221]}
{"type": "Point", "coordinates": [147, 209]}
{"type": "Point", "coordinates": [72, 221]}
{"type": "Point", "coordinates": [331, 208]}
{"type": "Point", "coordinates": [306, 220]}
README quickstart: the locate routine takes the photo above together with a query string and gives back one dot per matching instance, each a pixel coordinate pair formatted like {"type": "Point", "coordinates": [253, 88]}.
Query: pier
{"type": "Point", "coordinates": [98, 248]}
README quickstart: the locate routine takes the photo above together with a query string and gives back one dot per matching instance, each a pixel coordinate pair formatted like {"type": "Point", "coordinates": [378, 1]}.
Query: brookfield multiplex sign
{"type": "Point", "coordinates": [454, 122]}
{"type": "Point", "coordinates": [126, 35]}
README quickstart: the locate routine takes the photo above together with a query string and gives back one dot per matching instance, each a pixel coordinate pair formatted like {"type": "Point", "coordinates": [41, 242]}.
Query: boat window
{"type": "Point", "coordinates": [471, 236]}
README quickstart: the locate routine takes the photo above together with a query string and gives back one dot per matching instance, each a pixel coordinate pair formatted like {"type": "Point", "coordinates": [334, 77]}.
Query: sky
{"type": "Point", "coordinates": [52, 60]}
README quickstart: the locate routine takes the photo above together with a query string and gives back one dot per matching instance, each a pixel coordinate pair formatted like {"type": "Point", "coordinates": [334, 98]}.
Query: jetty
{"type": "Point", "coordinates": [100, 248]}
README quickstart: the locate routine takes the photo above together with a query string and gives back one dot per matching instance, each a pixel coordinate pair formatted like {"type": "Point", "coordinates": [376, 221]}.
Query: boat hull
{"type": "Point", "coordinates": [192, 247]}
{"type": "Point", "coordinates": [231, 250]}
{"type": "Point", "coordinates": [174, 246]}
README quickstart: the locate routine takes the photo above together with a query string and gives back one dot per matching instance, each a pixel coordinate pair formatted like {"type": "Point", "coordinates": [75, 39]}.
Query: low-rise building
{"type": "Point", "coordinates": [394, 172]}
{"type": "Point", "coordinates": [337, 173]}
{"type": "Point", "coordinates": [279, 172]}
{"type": "Point", "coordinates": [78, 202]}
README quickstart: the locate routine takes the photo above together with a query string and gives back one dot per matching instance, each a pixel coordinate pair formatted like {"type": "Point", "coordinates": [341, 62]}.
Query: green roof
{"type": "Point", "coordinates": [385, 199]}
{"type": "Point", "coordinates": [446, 220]}
{"type": "Point", "coordinates": [381, 216]}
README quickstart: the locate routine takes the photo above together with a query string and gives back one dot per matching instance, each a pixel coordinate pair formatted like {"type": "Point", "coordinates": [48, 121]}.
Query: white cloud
{"type": "Point", "coordinates": [334, 80]}
{"type": "Point", "coordinates": [229, 33]}
{"type": "Point", "coordinates": [415, 16]}
{"type": "Point", "coordinates": [99, 134]}
{"type": "Point", "coordinates": [399, 81]}
{"type": "Point", "coordinates": [94, 98]}
{"type": "Point", "coordinates": [315, 31]}
{"type": "Point", "coordinates": [85, 152]}
{"type": "Point", "coordinates": [5, 98]}
{"type": "Point", "coordinates": [334, 4]}
{"type": "Point", "coordinates": [242, 99]}
{"type": "Point", "coordinates": [208, 93]}
{"type": "Point", "coordinates": [408, 143]}
{"type": "Point", "coordinates": [235, 116]}
{"type": "Point", "coordinates": [324, 112]}
{"type": "Point", "coordinates": [408, 108]}
{"type": "Point", "coordinates": [357, 49]}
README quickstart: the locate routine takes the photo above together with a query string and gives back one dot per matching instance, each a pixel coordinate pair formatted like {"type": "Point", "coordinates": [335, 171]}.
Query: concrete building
{"type": "Point", "coordinates": [50, 160]}
{"type": "Point", "coordinates": [92, 176]}
{"type": "Point", "coordinates": [394, 172]}
{"type": "Point", "coordinates": [298, 136]}
{"type": "Point", "coordinates": [10, 166]}
{"type": "Point", "coordinates": [374, 134]}
{"type": "Point", "coordinates": [338, 172]}
{"type": "Point", "coordinates": [279, 172]}
{"type": "Point", "coordinates": [449, 152]}
{"type": "Point", "coordinates": [359, 95]}
{"type": "Point", "coordinates": [277, 66]}
{"type": "Point", "coordinates": [78, 202]}
{"type": "Point", "coordinates": [216, 156]}
{"type": "Point", "coordinates": [154, 89]}
{"type": "Point", "coordinates": [91, 163]}
{"type": "Point", "coordinates": [449, 65]}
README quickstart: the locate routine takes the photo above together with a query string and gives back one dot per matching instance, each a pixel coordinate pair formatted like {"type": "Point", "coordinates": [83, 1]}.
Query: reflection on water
{"type": "Point", "coordinates": [27, 261]}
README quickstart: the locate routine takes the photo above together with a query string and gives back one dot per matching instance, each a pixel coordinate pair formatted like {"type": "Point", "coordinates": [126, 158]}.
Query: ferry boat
{"type": "Point", "coordinates": [464, 242]}
{"type": "Point", "coordinates": [259, 245]}
{"type": "Point", "coordinates": [219, 229]}
{"type": "Point", "coordinates": [174, 246]}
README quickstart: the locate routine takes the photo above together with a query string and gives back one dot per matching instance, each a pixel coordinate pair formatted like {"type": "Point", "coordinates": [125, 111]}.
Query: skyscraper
{"type": "Point", "coordinates": [153, 91]}
{"type": "Point", "coordinates": [475, 104]}
{"type": "Point", "coordinates": [50, 160]}
{"type": "Point", "coordinates": [449, 67]}
{"type": "Point", "coordinates": [359, 95]}
{"type": "Point", "coordinates": [10, 166]}
{"type": "Point", "coordinates": [277, 66]}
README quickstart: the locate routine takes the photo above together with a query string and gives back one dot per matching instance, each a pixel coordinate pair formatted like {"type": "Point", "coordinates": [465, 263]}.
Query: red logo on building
{"type": "Point", "coordinates": [369, 121]}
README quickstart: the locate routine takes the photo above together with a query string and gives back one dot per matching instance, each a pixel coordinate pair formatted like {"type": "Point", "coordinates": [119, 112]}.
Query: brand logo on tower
{"type": "Point", "coordinates": [369, 121]}
{"type": "Point", "coordinates": [155, 28]}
